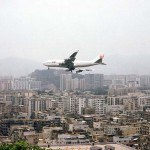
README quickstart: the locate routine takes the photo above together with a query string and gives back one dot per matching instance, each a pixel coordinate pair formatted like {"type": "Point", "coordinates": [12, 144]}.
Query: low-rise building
{"type": "Point", "coordinates": [122, 139]}
{"type": "Point", "coordinates": [67, 139]}
{"type": "Point", "coordinates": [146, 129]}
{"type": "Point", "coordinates": [79, 125]}
{"type": "Point", "coordinates": [23, 133]}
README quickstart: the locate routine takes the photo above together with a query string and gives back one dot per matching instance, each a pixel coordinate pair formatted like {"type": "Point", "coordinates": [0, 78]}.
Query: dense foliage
{"type": "Point", "coordinates": [46, 77]}
{"type": "Point", "coordinates": [19, 145]}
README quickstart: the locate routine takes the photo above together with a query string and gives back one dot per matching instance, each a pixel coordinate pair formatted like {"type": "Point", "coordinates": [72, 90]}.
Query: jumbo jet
{"type": "Point", "coordinates": [71, 64]}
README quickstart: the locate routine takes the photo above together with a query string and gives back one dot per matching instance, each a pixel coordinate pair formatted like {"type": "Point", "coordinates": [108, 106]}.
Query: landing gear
{"type": "Point", "coordinates": [69, 70]}
{"type": "Point", "coordinates": [48, 68]}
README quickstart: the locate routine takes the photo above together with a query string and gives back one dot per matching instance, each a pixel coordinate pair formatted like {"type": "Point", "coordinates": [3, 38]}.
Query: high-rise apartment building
{"type": "Point", "coordinates": [144, 102]}
{"type": "Point", "coordinates": [115, 104]}
{"type": "Point", "coordinates": [25, 83]}
{"type": "Point", "coordinates": [65, 82]}
{"type": "Point", "coordinates": [66, 103]}
{"type": "Point", "coordinates": [93, 81]}
{"type": "Point", "coordinates": [145, 81]}
{"type": "Point", "coordinates": [36, 104]}
{"type": "Point", "coordinates": [81, 84]}
{"type": "Point", "coordinates": [100, 105]}
{"type": "Point", "coordinates": [89, 81]}
{"type": "Point", "coordinates": [77, 104]}
{"type": "Point", "coordinates": [5, 83]}
{"type": "Point", "coordinates": [75, 84]}
{"type": "Point", "coordinates": [62, 82]}
{"type": "Point", "coordinates": [74, 105]}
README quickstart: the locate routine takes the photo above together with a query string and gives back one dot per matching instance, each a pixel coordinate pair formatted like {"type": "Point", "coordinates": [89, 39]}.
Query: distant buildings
{"type": "Point", "coordinates": [67, 83]}
{"type": "Point", "coordinates": [63, 81]}
{"type": "Point", "coordinates": [145, 81]}
{"type": "Point", "coordinates": [93, 81]}
{"type": "Point", "coordinates": [6, 83]}
{"type": "Point", "coordinates": [21, 83]}
{"type": "Point", "coordinates": [25, 83]}
{"type": "Point", "coordinates": [88, 82]}
{"type": "Point", "coordinates": [118, 84]}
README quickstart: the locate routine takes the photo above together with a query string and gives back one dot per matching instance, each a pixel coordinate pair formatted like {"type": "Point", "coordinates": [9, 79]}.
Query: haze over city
{"type": "Point", "coordinates": [42, 30]}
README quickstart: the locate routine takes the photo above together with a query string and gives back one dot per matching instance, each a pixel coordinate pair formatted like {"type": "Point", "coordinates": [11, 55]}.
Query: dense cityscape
{"type": "Point", "coordinates": [79, 111]}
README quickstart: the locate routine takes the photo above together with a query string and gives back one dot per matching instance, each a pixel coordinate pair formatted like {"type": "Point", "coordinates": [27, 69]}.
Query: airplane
{"type": "Point", "coordinates": [71, 63]}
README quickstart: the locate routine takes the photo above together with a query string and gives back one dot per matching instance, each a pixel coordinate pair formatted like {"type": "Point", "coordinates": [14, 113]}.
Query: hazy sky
{"type": "Point", "coordinates": [46, 29]}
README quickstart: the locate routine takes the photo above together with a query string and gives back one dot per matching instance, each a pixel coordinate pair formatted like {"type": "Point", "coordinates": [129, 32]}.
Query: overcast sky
{"type": "Point", "coordinates": [48, 29]}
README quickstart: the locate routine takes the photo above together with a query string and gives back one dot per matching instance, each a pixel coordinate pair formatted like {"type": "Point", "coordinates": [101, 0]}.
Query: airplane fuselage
{"type": "Point", "coordinates": [60, 63]}
{"type": "Point", "coordinates": [84, 63]}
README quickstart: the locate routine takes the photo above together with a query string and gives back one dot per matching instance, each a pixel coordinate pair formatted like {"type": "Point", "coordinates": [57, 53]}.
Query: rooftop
{"type": "Point", "coordinates": [87, 147]}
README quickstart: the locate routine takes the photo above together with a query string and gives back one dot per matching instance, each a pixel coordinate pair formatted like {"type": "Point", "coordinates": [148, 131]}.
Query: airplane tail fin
{"type": "Point", "coordinates": [99, 59]}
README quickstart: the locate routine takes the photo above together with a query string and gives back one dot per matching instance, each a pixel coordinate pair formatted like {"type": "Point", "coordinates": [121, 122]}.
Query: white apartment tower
{"type": "Point", "coordinates": [75, 84]}
{"type": "Point", "coordinates": [81, 85]}
{"type": "Point", "coordinates": [65, 82]}
{"type": "Point", "coordinates": [77, 104]}
{"type": "Point", "coordinates": [100, 106]}
{"type": "Point", "coordinates": [25, 83]}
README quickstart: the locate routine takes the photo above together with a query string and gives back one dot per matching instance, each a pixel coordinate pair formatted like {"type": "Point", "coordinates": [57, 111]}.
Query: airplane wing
{"type": "Point", "coordinates": [78, 70]}
{"type": "Point", "coordinates": [72, 57]}
{"type": "Point", "coordinates": [69, 63]}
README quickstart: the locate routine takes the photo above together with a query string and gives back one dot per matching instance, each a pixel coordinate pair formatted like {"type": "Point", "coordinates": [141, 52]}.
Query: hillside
{"type": "Point", "coordinates": [51, 76]}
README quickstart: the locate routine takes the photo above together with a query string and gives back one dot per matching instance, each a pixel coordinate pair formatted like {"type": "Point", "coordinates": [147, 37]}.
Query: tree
{"type": "Point", "coordinates": [19, 145]}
